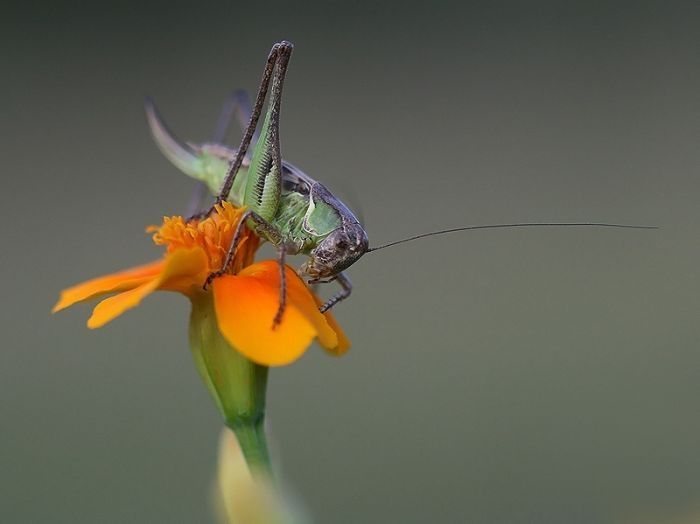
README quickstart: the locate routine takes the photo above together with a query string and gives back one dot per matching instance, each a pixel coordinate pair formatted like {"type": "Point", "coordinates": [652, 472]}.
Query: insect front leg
{"type": "Point", "coordinates": [281, 256]}
{"type": "Point", "coordinates": [344, 293]}
{"type": "Point", "coordinates": [261, 224]}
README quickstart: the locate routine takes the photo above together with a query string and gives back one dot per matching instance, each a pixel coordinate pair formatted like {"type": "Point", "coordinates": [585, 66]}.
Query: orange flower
{"type": "Point", "coordinates": [245, 299]}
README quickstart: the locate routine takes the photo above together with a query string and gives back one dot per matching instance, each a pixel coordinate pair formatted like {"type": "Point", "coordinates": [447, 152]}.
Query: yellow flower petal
{"type": "Point", "coordinates": [245, 308]}
{"type": "Point", "coordinates": [246, 305]}
{"type": "Point", "coordinates": [343, 343]}
{"type": "Point", "coordinates": [110, 308]}
{"type": "Point", "coordinates": [121, 281]}
{"type": "Point", "coordinates": [246, 299]}
{"type": "Point", "coordinates": [298, 294]}
{"type": "Point", "coordinates": [182, 267]}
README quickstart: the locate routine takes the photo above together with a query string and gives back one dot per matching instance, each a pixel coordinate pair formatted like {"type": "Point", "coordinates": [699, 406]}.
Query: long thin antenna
{"type": "Point", "coordinates": [504, 226]}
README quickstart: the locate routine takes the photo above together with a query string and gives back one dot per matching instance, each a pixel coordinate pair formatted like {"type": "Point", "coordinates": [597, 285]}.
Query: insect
{"type": "Point", "coordinates": [284, 206]}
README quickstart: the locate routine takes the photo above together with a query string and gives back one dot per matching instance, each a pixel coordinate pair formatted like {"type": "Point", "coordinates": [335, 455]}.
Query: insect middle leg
{"type": "Point", "coordinates": [275, 237]}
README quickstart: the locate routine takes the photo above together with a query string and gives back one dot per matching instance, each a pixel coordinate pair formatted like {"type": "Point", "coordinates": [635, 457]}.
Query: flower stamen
{"type": "Point", "coordinates": [214, 234]}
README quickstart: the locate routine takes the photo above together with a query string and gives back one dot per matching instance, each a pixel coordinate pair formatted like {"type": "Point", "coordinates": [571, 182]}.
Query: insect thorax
{"type": "Point", "coordinates": [290, 220]}
{"type": "Point", "coordinates": [303, 220]}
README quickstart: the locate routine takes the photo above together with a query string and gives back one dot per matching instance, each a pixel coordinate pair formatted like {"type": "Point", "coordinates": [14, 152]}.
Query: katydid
{"type": "Point", "coordinates": [284, 206]}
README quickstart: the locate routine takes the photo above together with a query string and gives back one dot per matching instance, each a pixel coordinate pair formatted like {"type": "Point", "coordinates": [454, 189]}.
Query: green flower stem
{"type": "Point", "coordinates": [251, 438]}
{"type": "Point", "coordinates": [237, 384]}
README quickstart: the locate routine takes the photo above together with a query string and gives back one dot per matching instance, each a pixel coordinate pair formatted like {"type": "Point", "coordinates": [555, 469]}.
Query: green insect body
{"type": "Point", "coordinates": [286, 207]}
{"type": "Point", "coordinates": [305, 222]}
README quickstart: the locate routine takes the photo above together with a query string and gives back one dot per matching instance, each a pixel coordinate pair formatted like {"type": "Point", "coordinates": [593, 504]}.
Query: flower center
{"type": "Point", "coordinates": [213, 234]}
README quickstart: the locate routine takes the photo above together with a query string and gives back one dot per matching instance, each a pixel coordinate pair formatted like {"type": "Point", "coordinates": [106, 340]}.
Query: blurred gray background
{"type": "Point", "coordinates": [529, 376]}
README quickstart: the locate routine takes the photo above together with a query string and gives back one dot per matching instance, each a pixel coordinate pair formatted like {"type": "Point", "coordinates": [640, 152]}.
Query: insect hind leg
{"type": "Point", "coordinates": [276, 65]}
{"type": "Point", "coordinates": [281, 256]}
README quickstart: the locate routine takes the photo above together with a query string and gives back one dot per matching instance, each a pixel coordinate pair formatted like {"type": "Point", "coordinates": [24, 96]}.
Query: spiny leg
{"type": "Point", "coordinates": [229, 254]}
{"type": "Point", "coordinates": [276, 61]}
{"type": "Point", "coordinates": [262, 225]}
{"type": "Point", "coordinates": [278, 58]}
{"type": "Point", "coordinates": [281, 255]}
{"type": "Point", "coordinates": [275, 237]}
{"type": "Point", "coordinates": [344, 293]}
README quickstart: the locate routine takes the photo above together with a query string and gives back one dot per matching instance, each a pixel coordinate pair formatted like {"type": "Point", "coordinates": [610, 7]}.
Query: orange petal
{"type": "Point", "coordinates": [245, 308]}
{"type": "Point", "coordinates": [246, 305]}
{"type": "Point", "coordinates": [343, 341]}
{"type": "Point", "coordinates": [182, 266]}
{"type": "Point", "coordinates": [298, 294]}
{"type": "Point", "coordinates": [110, 308]}
{"type": "Point", "coordinates": [121, 281]}
{"type": "Point", "coordinates": [342, 344]}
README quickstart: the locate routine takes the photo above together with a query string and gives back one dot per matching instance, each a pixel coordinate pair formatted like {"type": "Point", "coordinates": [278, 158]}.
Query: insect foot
{"type": "Point", "coordinates": [211, 277]}
{"type": "Point", "coordinates": [278, 316]}
{"type": "Point", "coordinates": [206, 213]}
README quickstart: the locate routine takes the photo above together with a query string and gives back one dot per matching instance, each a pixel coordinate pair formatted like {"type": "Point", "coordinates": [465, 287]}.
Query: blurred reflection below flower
{"type": "Point", "coordinates": [242, 499]}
